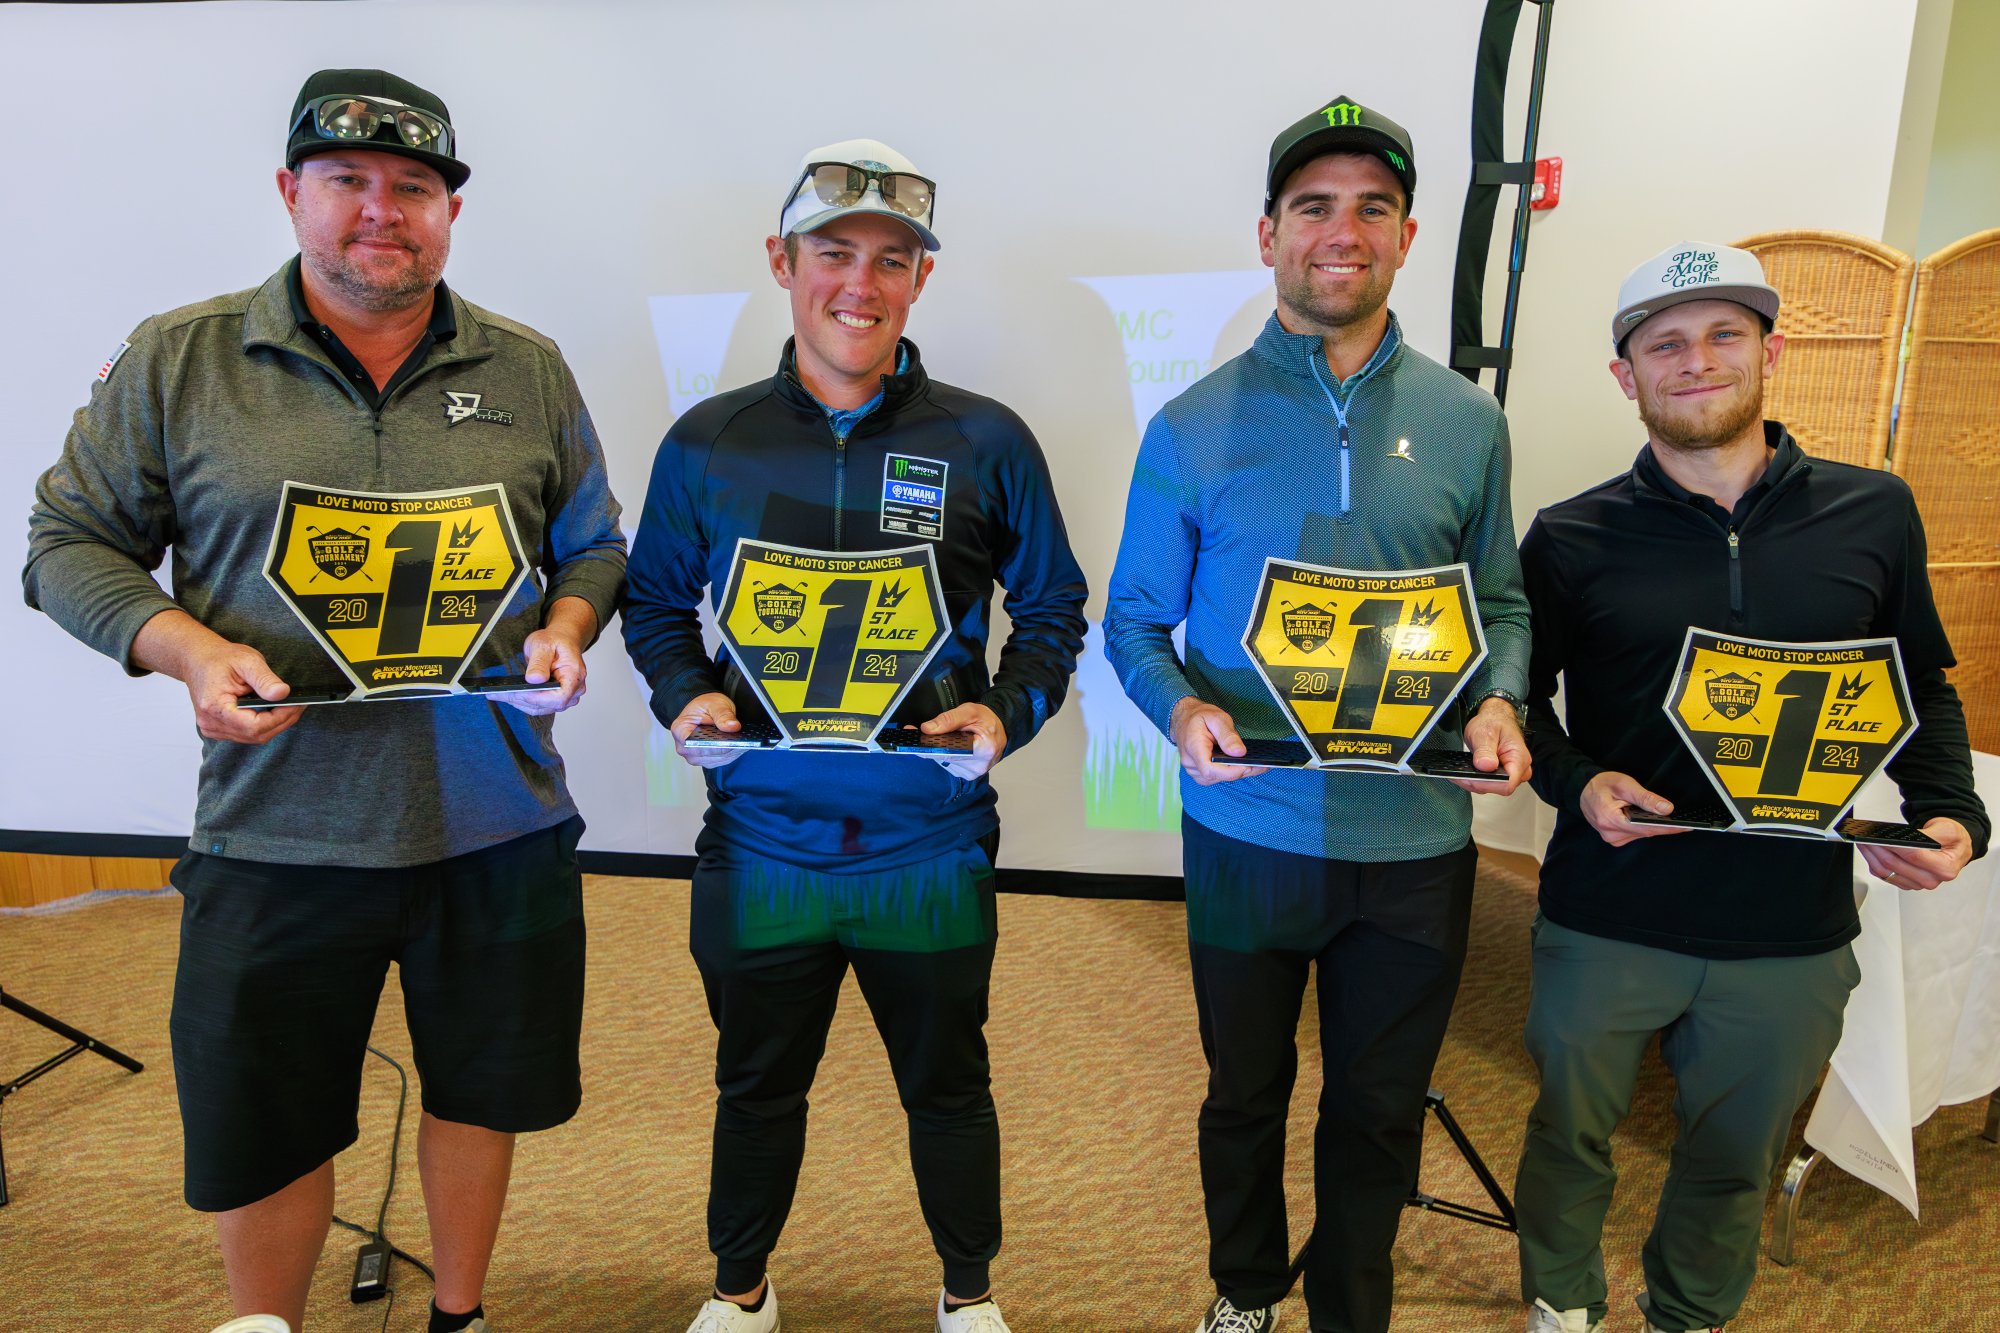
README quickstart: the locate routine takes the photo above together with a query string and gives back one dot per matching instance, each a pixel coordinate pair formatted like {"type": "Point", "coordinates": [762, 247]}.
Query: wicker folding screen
{"type": "Point", "coordinates": [1844, 299]}
{"type": "Point", "coordinates": [1948, 449]}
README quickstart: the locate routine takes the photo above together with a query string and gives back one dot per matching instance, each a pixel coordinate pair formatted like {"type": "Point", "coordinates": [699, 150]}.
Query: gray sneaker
{"type": "Point", "coordinates": [1223, 1317]}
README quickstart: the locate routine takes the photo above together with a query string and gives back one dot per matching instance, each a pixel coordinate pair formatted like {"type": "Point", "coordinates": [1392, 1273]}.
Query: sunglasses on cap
{"type": "Point", "coordinates": [841, 184]}
{"type": "Point", "coordinates": [357, 118]}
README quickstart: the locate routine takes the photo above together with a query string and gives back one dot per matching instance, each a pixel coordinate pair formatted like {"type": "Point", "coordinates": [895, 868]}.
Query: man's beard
{"type": "Point", "coordinates": [411, 285]}
{"type": "Point", "coordinates": [1297, 294]}
{"type": "Point", "coordinates": [1698, 430]}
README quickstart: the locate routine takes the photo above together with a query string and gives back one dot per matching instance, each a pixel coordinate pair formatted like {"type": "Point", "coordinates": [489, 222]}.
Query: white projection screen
{"type": "Point", "coordinates": [1100, 177]}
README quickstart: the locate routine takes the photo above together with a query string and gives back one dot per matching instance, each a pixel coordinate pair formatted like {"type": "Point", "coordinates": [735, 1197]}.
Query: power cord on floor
{"type": "Point", "coordinates": [371, 1263]}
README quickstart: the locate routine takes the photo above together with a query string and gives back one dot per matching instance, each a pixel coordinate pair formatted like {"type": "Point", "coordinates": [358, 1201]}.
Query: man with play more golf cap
{"type": "Point", "coordinates": [1734, 949]}
{"type": "Point", "coordinates": [812, 863]}
{"type": "Point", "coordinates": [399, 433]}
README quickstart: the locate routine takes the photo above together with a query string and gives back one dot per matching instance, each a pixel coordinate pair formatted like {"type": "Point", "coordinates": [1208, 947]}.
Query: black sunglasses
{"type": "Point", "coordinates": [358, 118]}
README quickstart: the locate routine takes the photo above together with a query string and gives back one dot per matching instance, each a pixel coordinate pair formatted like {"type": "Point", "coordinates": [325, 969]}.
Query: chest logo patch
{"type": "Point", "coordinates": [913, 491]}
{"type": "Point", "coordinates": [462, 407]}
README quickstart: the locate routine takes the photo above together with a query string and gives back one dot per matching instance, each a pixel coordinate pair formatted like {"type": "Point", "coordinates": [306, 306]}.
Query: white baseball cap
{"type": "Point", "coordinates": [1691, 272]}
{"type": "Point", "coordinates": [876, 179]}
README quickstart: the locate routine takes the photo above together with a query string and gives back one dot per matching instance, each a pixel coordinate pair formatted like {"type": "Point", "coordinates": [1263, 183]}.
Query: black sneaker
{"type": "Point", "coordinates": [1223, 1317]}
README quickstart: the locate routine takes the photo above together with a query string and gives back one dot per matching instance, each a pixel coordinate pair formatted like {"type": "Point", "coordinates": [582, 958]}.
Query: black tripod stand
{"type": "Point", "coordinates": [1500, 1220]}
{"type": "Point", "coordinates": [79, 1043]}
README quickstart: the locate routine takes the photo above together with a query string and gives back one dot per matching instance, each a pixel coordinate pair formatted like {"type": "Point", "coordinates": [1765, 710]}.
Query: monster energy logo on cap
{"type": "Point", "coordinates": [1341, 124]}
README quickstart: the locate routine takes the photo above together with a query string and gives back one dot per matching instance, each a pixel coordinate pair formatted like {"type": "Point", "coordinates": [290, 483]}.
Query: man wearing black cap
{"type": "Point", "coordinates": [1330, 441]}
{"type": "Point", "coordinates": [812, 863]}
{"type": "Point", "coordinates": [355, 389]}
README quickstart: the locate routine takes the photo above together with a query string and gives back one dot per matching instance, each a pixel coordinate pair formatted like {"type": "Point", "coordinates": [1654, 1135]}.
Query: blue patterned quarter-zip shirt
{"type": "Point", "coordinates": [1403, 465]}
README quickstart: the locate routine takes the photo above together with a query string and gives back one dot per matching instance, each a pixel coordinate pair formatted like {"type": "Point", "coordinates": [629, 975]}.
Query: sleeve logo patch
{"type": "Point", "coordinates": [913, 496]}
{"type": "Point", "coordinates": [110, 362]}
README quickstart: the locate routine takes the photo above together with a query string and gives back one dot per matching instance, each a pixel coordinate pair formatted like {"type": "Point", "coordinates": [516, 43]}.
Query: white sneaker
{"type": "Point", "coordinates": [719, 1316]}
{"type": "Point", "coordinates": [1222, 1317]}
{"type": "Point", "coordinates": [1545, 1318]}
{"type": "Point", "coordinates": [979, 1317]}
{"type": "Point", "coordinates": [256, 1323]}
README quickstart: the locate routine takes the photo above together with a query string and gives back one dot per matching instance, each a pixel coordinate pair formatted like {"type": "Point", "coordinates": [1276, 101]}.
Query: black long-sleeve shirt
{"type": "Point", "coordinates": [1815, 551]}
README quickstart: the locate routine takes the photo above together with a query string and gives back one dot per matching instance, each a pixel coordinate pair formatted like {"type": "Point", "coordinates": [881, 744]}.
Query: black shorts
{"type": "Point", "coordinates": [280, 970]}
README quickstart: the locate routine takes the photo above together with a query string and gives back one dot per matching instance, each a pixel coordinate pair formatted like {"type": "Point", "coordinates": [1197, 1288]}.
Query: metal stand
{"type": "Point", "coordinates": [79, 1043]}
{"type": "Point", "coordinates": [1469, 355]}
{"type": "Point", "coordinates": [1785, 1227]}
{"type": "Point", "coordinates": [1501, 1220]}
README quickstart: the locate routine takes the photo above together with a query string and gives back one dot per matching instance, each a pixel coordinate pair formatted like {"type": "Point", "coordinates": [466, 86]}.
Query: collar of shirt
{"type": "Point", "coordinates": [1299, 352]}
{"type": "Point", "coordinates": [843, 421]}
{"type": "Point", "coordinates": [443, 327]}
{"type": "Point", "coordinates": [1783, 453]}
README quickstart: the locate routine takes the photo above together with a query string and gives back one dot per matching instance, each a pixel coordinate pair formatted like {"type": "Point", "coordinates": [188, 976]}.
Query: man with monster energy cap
{"type": "Point", "coordinates": [1330, 441]}
{"type": "Point", "coordinates": [1734, 950]}
{"type": "Point", "coordinates": [331, 841]}
{"type": "Point", "coordinates": [812, 863]}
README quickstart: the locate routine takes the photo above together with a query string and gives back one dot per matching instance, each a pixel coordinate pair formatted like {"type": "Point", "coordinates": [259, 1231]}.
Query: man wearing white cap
{"type": "Point", "coordinates": [1734, 950]}
{"type": "Point", "coordinates": [810, 863]}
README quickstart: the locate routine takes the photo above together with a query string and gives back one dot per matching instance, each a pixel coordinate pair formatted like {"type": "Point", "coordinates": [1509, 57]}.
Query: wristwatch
{"type": "Point", "coordinates": [1511, 699]}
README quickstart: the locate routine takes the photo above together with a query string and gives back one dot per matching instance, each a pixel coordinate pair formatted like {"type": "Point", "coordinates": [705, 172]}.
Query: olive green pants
{"type": "Point", "coordinates": [1745, 1040]}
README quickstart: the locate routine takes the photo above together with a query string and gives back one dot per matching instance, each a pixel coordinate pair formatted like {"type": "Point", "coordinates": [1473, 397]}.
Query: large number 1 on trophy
{"type": "Point", "coordinates": [845, 600]}
{"type": "Point", "coordinates": [414, 541]}
{"type": "Point", "coordinates": [1368, 664]}
{"type": "Point", "coordinates": [1791, 739]}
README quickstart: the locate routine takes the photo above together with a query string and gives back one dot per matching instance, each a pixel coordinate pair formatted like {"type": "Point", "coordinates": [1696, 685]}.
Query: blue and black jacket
{"type": "Point", "coordinates": [765, 462]}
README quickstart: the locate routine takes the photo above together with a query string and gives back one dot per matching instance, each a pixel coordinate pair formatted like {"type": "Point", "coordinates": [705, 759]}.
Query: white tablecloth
{"type": "Point", "coordinates": [1923, 1027]}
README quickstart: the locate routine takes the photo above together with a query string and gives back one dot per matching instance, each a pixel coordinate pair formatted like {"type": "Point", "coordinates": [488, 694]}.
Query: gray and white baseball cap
{"type": "Point", "coordinates": [1691, 271]}
{"type": "Point", "coordinates": [859, 176]}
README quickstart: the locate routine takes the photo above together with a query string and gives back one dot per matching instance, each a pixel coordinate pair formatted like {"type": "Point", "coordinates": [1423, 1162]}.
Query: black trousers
{"type": "Point", "coordinates": [1388, 940]}
{"type": "Point", "coordinates": [773, 948]}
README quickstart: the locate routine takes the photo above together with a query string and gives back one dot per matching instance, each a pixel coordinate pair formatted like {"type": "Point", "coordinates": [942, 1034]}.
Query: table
{"type": "Point", "coordinates": [1922, 1028]}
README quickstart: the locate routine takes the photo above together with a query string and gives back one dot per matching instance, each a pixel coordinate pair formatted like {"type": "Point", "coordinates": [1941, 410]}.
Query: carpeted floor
{"type": "Point", "coordinates": [1098, 1076]}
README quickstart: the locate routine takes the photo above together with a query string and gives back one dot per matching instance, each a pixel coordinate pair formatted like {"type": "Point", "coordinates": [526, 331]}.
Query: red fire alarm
{"type": "Point", "coordinates": [1547, 190]}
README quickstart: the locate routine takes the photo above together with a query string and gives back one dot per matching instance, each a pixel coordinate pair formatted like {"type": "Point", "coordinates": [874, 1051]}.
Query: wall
{"type": "Point", "coordinates": [1962, 188]}
{"type": "Point", "coordinates": [1142, 126]}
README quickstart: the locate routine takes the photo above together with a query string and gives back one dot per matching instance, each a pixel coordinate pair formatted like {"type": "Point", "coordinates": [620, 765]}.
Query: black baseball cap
{"type": "Point", "coordinates": [1342, 124]}
{"type": "Point", "coordinates": [306, 139]}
